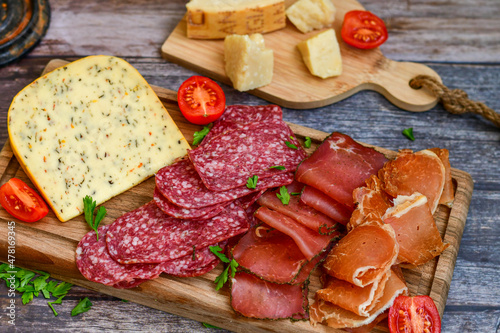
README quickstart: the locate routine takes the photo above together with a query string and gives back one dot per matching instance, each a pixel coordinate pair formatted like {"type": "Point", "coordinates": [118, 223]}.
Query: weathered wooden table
{"type": "Point", "coordinates": [459, 40]}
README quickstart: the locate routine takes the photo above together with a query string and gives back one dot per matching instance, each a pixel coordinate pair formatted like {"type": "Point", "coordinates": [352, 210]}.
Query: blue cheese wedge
{"type": "Point", "coordinates": [94, 127]}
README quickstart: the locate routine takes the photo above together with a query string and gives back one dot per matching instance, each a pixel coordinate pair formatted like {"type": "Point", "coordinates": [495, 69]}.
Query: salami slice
{"type": "Point", "coordinates": [95, 263]}
{"type": "Point", "coordinates": [237, 155]}
{"type": "Point", "coordinates": [147, 235]}
{"type": "Point", "coordinates": [181, 185]}
{"type": "Point", "coordinates": [237, 116]}
{"type": "Point", "coordinates": [186, 213]}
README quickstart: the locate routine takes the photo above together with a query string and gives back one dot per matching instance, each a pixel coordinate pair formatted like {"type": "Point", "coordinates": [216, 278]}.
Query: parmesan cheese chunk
{"type": "Point", "coordinates": [93, 127]}
{"type": "Point", "coordinates": [308, 15]}
{"type": "Point", "coordinates": [213, 19]}
{"type": "Point", "coordinates": [249, 64]}
{"type": "Point", "coordinates": [321, 54]}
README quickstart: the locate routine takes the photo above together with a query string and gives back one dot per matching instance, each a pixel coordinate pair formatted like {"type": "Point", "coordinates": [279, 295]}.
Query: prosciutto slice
{"type": "Point", "coordinates": [338, 166]}
{"type": "Point", "coordinates": [448, 195]}
{"type": "Point", "coordinates": [337, 317]}
{"type": "Point", "coordinates": [421, 172]}
{"type": "Point", "coordinates": [309, 242]}
{"type": "Point", "coordinates": [364, 255]}
{"type": "Point", "coordinates": [297, 210]}
{"type": "Point", "coordinates": [272, 256]}
{"type": "Point", "coordinates": [416, 232]}
{"type": "Point", "coordinates": [257, 298]}
{"type": "Point", "coordinates": [326, 205]}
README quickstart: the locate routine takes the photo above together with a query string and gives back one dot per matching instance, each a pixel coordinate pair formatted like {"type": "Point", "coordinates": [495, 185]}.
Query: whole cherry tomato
{"type": "Point", "coordinates": [363, 30]}
{"type": "Point", "coordinates": [201, 100]}
{"type": "Point", "coordinates": [22, 202]}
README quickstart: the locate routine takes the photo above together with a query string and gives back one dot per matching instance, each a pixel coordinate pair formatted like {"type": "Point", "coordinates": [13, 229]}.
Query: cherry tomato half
{"type": "Point", "coordinates": [414, 315]}
{"type": "Point", "coordinates": [20, 201]}
{"type": "Point", "coordinates": [363, 30]}
{"type": "Point", "coordinates": [201, 100]}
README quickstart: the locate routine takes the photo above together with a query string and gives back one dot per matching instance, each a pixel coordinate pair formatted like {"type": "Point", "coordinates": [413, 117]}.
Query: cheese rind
{"type": "Point", "coordinates": [321, 54]}
{"type": "Point", "coordinates": [248, 63]}
{"type": "Point", "coordinates": [93, 127]}
{"type": "Point", "coordinates": [216, 19]}
{"type": "Point", "coordinates": [309, 15]}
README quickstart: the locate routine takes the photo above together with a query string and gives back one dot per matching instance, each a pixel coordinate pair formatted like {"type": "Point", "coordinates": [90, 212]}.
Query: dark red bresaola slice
{"type": "Point", "coordinates": [182, 186]}
{"type": "Point", "coordinates": [326, 205]}
{"type": "Point", "coordinates": [338, 166]}
{"type": "Point", "coordinates": [147, 235]}
{"type": "Point", "coordinates": [256, 298]}
{"type": "Point", "coordinates": [237, 155]}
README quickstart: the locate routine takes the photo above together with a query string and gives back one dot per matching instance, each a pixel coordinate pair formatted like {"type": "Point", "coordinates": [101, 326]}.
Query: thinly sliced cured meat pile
{"type": "Point", "coordinates": [172, 233]}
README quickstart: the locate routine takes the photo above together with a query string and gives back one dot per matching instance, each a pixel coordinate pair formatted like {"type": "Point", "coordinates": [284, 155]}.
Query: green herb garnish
{"type": "Point", "coordinates": [307, 142]}
{"type": "Point", "coordinates": [211, 326]}
{"type": "Point", "coordinates": [408, 132]}
{"type": "Point", "coordinates": [198, 136]}
{"type": "Point", "coordinates": [252, 182]}
{"type": "Point", "coordinates": [278, 167]}
{"type": "Point", "coordinates": [83, 306]}
{"type": "Point", "coordinates": [283, 195]}
{"type": "Point", "coordinates": [295, 193]}
{"type": "Point", "coordinates": [222, 278]}
{"type": "Point", "coordinates": [89, 206]}
{"type": "Point", "coordinates": [291, 145]}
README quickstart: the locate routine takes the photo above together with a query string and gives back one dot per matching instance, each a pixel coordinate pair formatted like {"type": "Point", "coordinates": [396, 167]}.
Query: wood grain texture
{"type": "Point", "coordinates": [196, 298]}
{"type": "Point", "coordinates": [457, 39]}
{"type": "Point", "coordinates": [361, 69]}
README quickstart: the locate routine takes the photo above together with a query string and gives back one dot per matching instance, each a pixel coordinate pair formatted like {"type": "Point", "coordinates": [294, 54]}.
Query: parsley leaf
{"type": "Point", "coordinates": [408, 132]}
{"type": "Point", "coordinates": [307, 142]}
{"type": "Point", "coordinates": [57, 301]}
{"type": "Point", "coordinates": [83, 306]}
{"type": "Point", "coordinates": [89, 206]}
{"type": "Point", "coordinates": [211, 326]}
{"type": "Point", "coordinates": [291, 145]}
{"type": "Point", "coordinates": [252, 182]}
{"type": "Point", "coordinates": [200, 135]}
{"type": "Point", "coordinates": [295, 193]}
{"type": "Point", "coordinates": [284, 196]}
{"type": "Point", "coordinates": [277, 167]}
{"type": "Point", "coordinates": [223, 277]}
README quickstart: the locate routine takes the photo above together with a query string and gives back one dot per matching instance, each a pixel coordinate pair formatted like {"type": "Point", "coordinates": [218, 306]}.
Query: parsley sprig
{"type": "Point", "coordinates": [32, 283]}
{"type": "Point", "coordinates": [200, 135]}
{"type": "Point", "coordinates": [307, 142]}
{"type": "Point", "coordinates": [277, 167]}
{"type": "Point", "coordinates": [252, 182]}
{"type": "Point", "coordinates": [408, 132]}
{"type": "Point", "coordinates": [222, 278]}
{"type": "Point", "coordinates": [284, 196]}
{"type": "Point", "coordinates": [83, 306]}
{"type": "Point", "coordinates": [89, 206]}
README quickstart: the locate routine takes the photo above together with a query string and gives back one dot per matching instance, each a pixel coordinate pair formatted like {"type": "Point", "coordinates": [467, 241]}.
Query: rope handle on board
{"type": "Point", "coordinates": [455, 101]}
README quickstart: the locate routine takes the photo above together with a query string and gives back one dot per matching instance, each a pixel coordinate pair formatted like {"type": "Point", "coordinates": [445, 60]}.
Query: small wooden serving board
{"type": "Point", "coordinates": [50, 245]}
{"type": "Point", "coordinates": [293, 86]}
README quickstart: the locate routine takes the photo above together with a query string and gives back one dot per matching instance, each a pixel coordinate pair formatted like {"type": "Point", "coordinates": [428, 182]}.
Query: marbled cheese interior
{"type": "Point", "coordinates": [93, 127]}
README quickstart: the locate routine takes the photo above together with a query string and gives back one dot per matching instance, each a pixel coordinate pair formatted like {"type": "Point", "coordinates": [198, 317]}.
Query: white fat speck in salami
{"type": "Point", "coordinates": [227, 161]}
{"type": "Point", "coordinates": [165, 238]}
{"type": "Point", "coordinates": [182, 186]}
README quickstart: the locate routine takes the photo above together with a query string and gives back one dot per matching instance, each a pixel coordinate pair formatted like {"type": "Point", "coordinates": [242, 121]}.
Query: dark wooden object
{"type": "Point", "coordinates": [459, 40]}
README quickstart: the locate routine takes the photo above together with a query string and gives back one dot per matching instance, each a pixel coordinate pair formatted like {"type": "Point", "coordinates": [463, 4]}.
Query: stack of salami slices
{"type": "Point", "coordinates": [200, 200]}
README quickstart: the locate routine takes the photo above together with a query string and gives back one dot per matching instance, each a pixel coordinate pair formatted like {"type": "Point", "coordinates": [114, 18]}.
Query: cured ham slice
{"type": "Point", "coordinates": [410, 172]}
{"type": "Point", "coordinates": [416, 232]}
{"type": "Point", "coordinates": [448, 195]}
{"type": "Point", "coordinates": [326, 205]}
{"type": "Point", "coordinates": [371, 201]}
{"type": "Point", "coordinates": [364, 255]}
{"type": "Point", "coordinates": [147, 235]}
{"type": "Point", "coordinates": [368, 327]}
{"type": "Point", "coordinates": [256, 298]}
{"type": "Point", "coordinates": [337, 317]}
{"type": "Point", "coordinates": [239, 116]}
{"type": "Point", "coordinates": [353, 298]}
{"type": "Point", "coordinates": [309, 242]}
{"type": "Point", "coordinates": [272, 256]}
{"type": "Point", "coordinates": [237, 155]}
{"type": "Point", "coordinates": [338, 166]}
{"type": "Point", "coordinates": [298, 211]}
{"type": "Point", "coordinates": [181, 185]}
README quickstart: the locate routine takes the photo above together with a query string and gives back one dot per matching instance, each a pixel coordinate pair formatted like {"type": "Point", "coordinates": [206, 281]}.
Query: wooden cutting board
{"type": "Point", "coordinates": [50, 245]}
{"type": "Point", "coordinates": [293, 86]}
